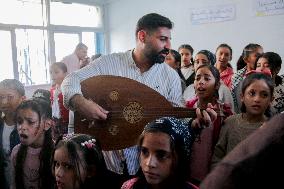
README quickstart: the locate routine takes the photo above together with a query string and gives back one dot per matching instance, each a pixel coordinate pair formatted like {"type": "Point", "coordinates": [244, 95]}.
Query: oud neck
{"type": "Point", "coordinates": [178, 112]}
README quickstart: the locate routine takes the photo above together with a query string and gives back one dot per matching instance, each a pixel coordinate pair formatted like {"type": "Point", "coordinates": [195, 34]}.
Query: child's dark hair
{"type": "Point", "coordinates": [250, 48]}
{"type": "Point", "coordinates": [224, 45]}
{"type": "Point", "coordinates": [274, 61]}
{"type": "Point", "coordinates": [188, 47]}
{"type": "Point", "coordinates": [216, 75]}
{"type": "Point", "coordinates": [176, 55]}
{"type": "Point", "coordinates": [42, 94]}
{"type": "Point", "coordinates": [60, 65]}
{"type": "Point", "coordinates": [14, 85]}
{"type": "Point", "coordinates": [249, 80]}
{"type": "Point", "coordinates": [92, 157]}
{"type": "Point", "coordinates": [46, 180]}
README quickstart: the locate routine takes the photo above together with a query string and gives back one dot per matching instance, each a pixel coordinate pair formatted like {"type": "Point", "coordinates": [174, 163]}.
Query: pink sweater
{"type": "Point", "coordinates": [31, 167]}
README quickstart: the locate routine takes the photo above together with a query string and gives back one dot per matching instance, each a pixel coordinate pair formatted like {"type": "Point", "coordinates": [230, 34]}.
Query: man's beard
{"type": "Point", "coordinates": [158, 57]}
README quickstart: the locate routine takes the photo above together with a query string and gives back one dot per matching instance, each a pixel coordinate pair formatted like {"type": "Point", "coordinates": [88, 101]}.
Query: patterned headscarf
{"type": "Point", "coordinates": [179, 130]}
{"type": "Point", "coordinates": [211, 57]}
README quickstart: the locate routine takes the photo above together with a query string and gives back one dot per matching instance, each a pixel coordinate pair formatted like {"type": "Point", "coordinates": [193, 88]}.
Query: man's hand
{"type": "Point", "coordinates": [88, 108]}
{"type": "Point", "coordinates": [205, 118]}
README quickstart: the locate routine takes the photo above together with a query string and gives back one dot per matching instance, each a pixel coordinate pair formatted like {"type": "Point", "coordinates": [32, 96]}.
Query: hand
{"type": "Point", "coordinates": [204, 118]}
{"type": "Point", "coordinates": [89, 108]}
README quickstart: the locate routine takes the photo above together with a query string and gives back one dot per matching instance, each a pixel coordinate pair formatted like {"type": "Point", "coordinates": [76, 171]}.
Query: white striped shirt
{"type": "Point", "coordinates": [159, 77]}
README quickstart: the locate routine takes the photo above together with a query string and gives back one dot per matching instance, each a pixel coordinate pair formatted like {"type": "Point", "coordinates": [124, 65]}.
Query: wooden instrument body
{"type": "Point", "coordinates": [131, 104]}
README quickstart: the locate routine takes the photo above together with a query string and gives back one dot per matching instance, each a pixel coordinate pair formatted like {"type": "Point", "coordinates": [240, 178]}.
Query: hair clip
{"type": "Point", "coordinates": [68, 136]}
{"type": "Point", "coordinates": [39, 95]}
{"type": "Point", "coordinates": [89, 143]}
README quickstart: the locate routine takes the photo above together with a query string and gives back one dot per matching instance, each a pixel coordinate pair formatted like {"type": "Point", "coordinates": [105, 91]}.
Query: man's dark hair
{"type": "Point", "coordinates": [152, 21]}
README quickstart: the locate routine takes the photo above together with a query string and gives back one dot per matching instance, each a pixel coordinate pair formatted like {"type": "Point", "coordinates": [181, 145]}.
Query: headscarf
{"type": "Point", "coordinates": [179, 130]}
{"type": "Point", "coordinates": [211, 56]}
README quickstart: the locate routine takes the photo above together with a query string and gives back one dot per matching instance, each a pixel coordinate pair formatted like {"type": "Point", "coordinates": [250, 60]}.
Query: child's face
{"type": "Point", "coordinates": [251, 59]}
{"type": "Point", "coordinates": [9, 100]}
{"type": "Point", "coordinates": [171, 61]}
{"type": "Point", "coordinates": [57, 75]}
{"type": "Point", "coordinates": [64, 172]}
{"type": "Point", "coordinates": [156, 158]}
{"type": "Point", "coordinates": [257, 97]}
{"type": "Point", "coordinates": [185, 57]}
{"type": "Point", "coordinates": [263, 65]}
{"type": "Point", "coordinates": [30, 129]}
{"type": "Point", "coordinates": [199, 60]}
{"type": "Point", "coordinates": [204, 83]}
{"type": "Point", "coordinates": [223, 56]}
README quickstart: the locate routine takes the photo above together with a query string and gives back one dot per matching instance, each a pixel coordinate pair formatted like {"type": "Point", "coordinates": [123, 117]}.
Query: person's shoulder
{"type": "Point", "coordinates": [232, 118]}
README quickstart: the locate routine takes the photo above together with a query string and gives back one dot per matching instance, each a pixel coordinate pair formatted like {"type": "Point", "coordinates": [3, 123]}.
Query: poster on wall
{"type": "Point", "coordinates": [213, 14]}
{"type": "Point", "coordinates": [268, 7]}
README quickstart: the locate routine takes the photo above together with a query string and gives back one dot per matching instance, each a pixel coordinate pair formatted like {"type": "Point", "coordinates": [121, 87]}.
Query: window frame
{"type": "Point", "coordinates": [51, 29]}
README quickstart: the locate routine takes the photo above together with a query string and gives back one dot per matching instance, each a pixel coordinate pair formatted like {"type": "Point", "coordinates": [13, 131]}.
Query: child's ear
{"type": "Point", "coordinates": [23, 98]}
{"type": "Point", "coordinates": [48, 124]}
{"type": "Point", "coordinates": [242, 97]}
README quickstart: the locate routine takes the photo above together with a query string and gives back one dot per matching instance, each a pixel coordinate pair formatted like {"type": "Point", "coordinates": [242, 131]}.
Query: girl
{"type": "Point", "coordinates": [165, 146]}
{"type": "Point", "coordinates": [60, 114]}
{"type": "Point", "coordinates": [246, 63]}
{"type": "Point", "coordinates": [206, 84]}
{"type": "Point", "coordinates": [206, 57]}
{"type": "Point", "coordinates": [223, 56]}
{"type": "Point", "coordinates": [271, 62]}
{"type": "Point", "coordinates": [186, 53]}
{"type": "Point", "coordinates": [257, 94]}
{"type": "Point", "coordinates": [78, 163]}
{"type": "Point", "coordinates": [31, 158]}
{"type": "Point", "coordinates": [173, 60]}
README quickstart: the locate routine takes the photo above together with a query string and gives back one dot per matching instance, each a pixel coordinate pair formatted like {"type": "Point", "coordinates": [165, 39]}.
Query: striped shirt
{"type": "Point", "coordinates": [159, 77]}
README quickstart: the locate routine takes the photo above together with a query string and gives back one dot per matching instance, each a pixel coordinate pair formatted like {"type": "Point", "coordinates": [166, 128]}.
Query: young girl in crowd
{"type": "Point", "coordinates": [186, 53]}
{"type": "Point", "coordinates": [246, 63]}
{"type": "Point", "coordinates": [173, 60]}
{"type": "Point", "coordinates": [31, 159]}
{"type": "Point", "coordinates": [223, 56]}
{"type": "Point", "coordinates": [271, 62]}
{"type": "Point", "coordinates": [165, 147]}
{"type": "Point", "coordinates": [257, 94]}
{"type": "Point", "coordinates": [206, 84]}
{"type": "Point", "coordinates": [205, 57]}
{"type": "Point", "coordinates": [60, 114]}
{"type": "Point", "coordinates": [78, 163]}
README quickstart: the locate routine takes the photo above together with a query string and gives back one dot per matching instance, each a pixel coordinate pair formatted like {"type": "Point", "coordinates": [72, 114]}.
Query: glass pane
{"type": "Point", "coordinates": [65, 44]}
{"type": "Point", "coordinates": [32, 51]}
{"type": "Point", "coordinates": [88, 38]}
{"type": "Point", "coordinates": [82, 15]}
{"type": "Point", "coordinates": [6, 61]}
{"type": "Point", "coordinates": [24, 12]}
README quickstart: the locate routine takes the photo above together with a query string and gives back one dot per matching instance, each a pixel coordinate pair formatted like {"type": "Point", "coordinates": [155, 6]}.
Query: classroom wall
{"type": "Point", "coordinates": [268, 31]}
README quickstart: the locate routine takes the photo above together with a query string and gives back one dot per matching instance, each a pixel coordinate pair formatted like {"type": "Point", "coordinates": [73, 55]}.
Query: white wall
{"type": "Point", "coordinates": [267, 31]}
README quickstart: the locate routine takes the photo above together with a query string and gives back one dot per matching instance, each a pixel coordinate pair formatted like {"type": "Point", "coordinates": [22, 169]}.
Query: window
{"type": "Point", "coordinates": [30, 42]}
{"type": "Point", "coordinates": [60, 14]}
{"type": "Point", "coordinates": [6, 56]}
{"type": "Point", "coordinates": [22, 12]}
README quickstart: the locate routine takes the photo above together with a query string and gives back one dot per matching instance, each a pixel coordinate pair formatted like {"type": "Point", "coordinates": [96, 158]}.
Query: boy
{"type": "Point", "coordinates": [12, 93]}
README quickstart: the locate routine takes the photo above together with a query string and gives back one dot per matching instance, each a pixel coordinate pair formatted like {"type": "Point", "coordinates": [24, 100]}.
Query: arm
{"type": "Point", "coordinates": [72, 94]}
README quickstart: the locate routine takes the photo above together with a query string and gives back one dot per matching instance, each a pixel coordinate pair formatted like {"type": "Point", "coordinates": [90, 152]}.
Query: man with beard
{"type": "Point", "coordinates": [143, 64]}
